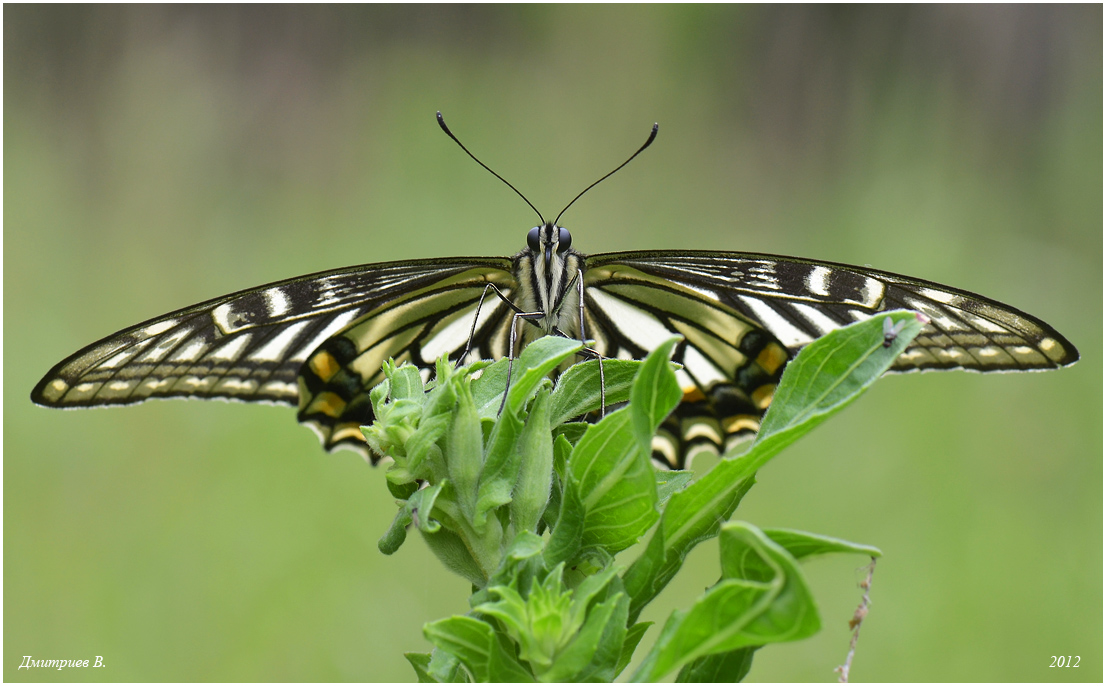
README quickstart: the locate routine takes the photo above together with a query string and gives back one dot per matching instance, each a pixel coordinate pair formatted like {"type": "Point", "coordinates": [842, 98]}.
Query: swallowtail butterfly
{"type": "Point", "coordinates": [317, 342]}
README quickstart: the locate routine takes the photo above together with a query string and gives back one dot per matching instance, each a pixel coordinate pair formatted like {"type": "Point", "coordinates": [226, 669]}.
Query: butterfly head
{"type": "Point", "coordinates": [545, 271]}
{"type": "Point", "coordinates": [548, 241]}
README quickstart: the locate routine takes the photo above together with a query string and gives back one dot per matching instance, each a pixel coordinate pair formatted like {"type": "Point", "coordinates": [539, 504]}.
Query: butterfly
{"type": "Point", "coordinates": [317, 342]}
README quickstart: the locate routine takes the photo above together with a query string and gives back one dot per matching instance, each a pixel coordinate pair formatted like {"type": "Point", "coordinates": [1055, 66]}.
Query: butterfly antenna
{"type": "Point", "coordinates": [652, 137]}
{"type": "Point", "coordinates": [441, 123]}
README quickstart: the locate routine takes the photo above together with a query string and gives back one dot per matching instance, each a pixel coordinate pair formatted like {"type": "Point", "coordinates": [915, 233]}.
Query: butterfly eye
{"type": "Point", "coordinates": [564, 241]}
{"type": "Point", "coordinates": [533, 239]}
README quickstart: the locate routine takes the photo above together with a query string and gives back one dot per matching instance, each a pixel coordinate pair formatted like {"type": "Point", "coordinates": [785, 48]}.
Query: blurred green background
{"type": "Point", "coordinates": [158, 156]}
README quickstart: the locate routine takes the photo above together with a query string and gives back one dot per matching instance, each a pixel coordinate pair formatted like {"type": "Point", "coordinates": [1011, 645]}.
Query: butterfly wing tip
{"type": "Point", "coordinates": [49, 391]}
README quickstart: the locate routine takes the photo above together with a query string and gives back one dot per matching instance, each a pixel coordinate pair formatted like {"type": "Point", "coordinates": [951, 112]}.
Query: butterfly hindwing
{"type": "Point", "coordinates": [417, 327]}
{"type": "Point", "coordinates": [731, 364]}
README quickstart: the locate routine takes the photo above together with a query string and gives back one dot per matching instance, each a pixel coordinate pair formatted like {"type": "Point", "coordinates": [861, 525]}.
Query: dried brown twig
{"type": "Point", "coordinates": [855, 622]}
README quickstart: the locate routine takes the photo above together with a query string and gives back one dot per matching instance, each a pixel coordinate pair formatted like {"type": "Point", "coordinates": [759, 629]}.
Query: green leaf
{"type": "Point", "coordinates": [729, 667]}
{"type": "Point", "coordinates": [465, 446]}
{"type": "Point", "coordinates": [662, 558]}
{"type": "Point", "coordinates": [422, 447]}
{"type": "Point", "coordinates": [416, 508]}
{"type": "Point", "coordinates": [533, 477]}
{"type": "Point", "coordinates": [610, 476]}
{"type": "Point", "coordinates": [406, 383]}
{"type": "Point", "coordinates": [396, 419]}
{"type": "Point", "coordinates": [738, 612]}
{"type": "Point", "coordinates": [402, 490]}
{"type": "Point", "coordinates": [561, 451]}
{"type": "Point", "coordinates": [802, 545]}
{"type": "Point", "coordinates": [577, 391]}
{"type": "Point", "coordinates": [445, 668]}
{"type": "Point", "coordinates": [379, 393]}
{"type": "Point", "coordinates": [487, 389]}
{"type": "Point", "coordinates": [564, 634]}
{"type": "Point", "coordinates": [591, 587]}
{"type": "Point", "coordinates": [522, 563]}
{"type": "Point", "coordinates": [469, 640]}
{"type": "Point", "coordinates": [572, 431]}
{"type": "Point", "coordinates": [654, 393]}
{"type": "Point", "coordinates": [421, 663]}
{"type": "Point", "coordinates": [540, 623]}
{"type": "Point", "coordinates": [511, 609]}
{"type": "Point", "coordinates": [633, 637]}
{"type": "Point", "coordinates": [501, 463]}
{"type": "Point", "coordinates": [670, 482]}
{"type": "Point", "coordinates": [836, 368]}
{"type": "Point", "coordinates": [448, 547]}
{"type": "Point", "coordinates": [475, 644]}
{"type": "Point", "coordinates": [535, 363]}
{"type": "Point", "coordinates": [568, 534]}
{"type": "Point", "coordinates": [825, 377]}
{"type": "Point", "coordinates": [594, 652]}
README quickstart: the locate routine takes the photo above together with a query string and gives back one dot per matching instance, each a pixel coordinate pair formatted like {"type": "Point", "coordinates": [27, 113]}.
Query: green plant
{"type": "Point", "coordinates": [532, 508]}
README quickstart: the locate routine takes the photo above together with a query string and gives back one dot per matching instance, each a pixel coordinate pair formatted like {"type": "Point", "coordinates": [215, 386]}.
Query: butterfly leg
{"type": "Point", "coordinates": [578, 281]}
{"type": "Point", "coordinates": [519, 314]}
{"type": "Point", "coordinates": [476, 318]}
{"type": "Point", "coordinates": [602, 381]}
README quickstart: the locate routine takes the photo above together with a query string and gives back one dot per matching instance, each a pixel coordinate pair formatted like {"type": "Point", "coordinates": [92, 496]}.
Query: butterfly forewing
{"type": "Point", "coordinates": [248, 345]}
{"type": "Point", "coordinates": [743, 315]}
{"type": "Point", "coordinates": [799, 300]}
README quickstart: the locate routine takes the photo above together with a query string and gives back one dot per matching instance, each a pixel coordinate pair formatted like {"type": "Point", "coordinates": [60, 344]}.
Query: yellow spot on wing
{"type": "Point", "coordinates": [1027, 355]}
{"type": "Point", "coordinates": [347, 431]}
{"type": "Point", "coordinates": [328, 403]}
{"type": "Point", "coordinates": [772, 357]}
{"type": "Point", "coordinates": [693, 394]}
{"type": "Point", "coordinates": [82, 391]}
{"type": "Point", "coordinates": [701, 428]}
{"type": "Point", "coordinates": [1051, 348]}
{"type": "Point", "coordinates": [324, 365]}
{"type": "Point", "coordinates": [740, 422]}
{"type": "Point", "coordinates": [55, 389]}
{"type": "Point", "coordinates": [664, 445]}
{"type": "Point", "coordinates": [762, 397]}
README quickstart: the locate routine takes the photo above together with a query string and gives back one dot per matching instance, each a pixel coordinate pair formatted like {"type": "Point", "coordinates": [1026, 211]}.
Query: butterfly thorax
{"type": "Point", "coordinates": [548, 273]}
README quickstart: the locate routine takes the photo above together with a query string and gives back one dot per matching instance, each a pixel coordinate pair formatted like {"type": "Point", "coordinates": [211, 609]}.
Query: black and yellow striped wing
{"type": "Point", "coordinates": [318, 341]}
{"type": "Point", "coordinates": [743, 315]}
{"type": "Point", "coordinates": [335, 326]}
